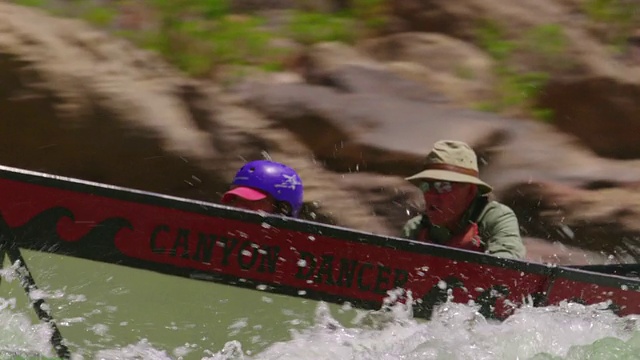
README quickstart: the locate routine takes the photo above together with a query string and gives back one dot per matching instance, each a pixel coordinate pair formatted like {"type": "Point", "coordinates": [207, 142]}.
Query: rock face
{"type": "Point", "coordinates": [600, 220]}
{"type": "Point", "coordinates": [353, 121]}
{"type": "Point", "coordinates": [441, 62]}
{"type": "Point", "coordinates": [600, 110]}
{"type": "Point", "coordinates": [77, 102]}
{"type": "Point", "coordinates": [594, 94]}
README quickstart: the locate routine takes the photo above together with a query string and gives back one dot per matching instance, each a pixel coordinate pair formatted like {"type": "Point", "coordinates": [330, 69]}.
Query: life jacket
{"type": "Point", "coordinates": [468, 235]}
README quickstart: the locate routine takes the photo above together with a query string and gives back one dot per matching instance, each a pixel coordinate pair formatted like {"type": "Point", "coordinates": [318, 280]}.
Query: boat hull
{"type": "Point", "coordinates": [276, 254]}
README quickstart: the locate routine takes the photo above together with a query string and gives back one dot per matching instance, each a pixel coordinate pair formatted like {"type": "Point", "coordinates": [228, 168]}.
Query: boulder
{"type": "Point", "coordinates": [600, 111]}
{"type": "Point", "coordinates": [451, 66]}
{"type": "Point", "coordinates": [77, 102]}
{"type": "Point", "coordinates": [598, 220]}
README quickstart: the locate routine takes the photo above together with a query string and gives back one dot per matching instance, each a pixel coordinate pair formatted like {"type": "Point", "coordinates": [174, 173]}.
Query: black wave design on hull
{"type": "Point", "coordinates": [40, 233]}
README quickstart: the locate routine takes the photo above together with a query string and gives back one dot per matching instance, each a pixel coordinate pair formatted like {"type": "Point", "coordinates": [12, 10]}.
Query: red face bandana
{"type": "Point", "coordinates": [446, 202]}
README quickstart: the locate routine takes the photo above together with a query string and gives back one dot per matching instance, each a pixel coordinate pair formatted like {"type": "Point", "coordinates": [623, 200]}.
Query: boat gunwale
{"type": "Point", "coordinates": [305, 226]}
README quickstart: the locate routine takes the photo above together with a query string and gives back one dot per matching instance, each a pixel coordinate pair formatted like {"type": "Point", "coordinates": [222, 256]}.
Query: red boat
{"type": "Point", "coordinates": [215, 243]}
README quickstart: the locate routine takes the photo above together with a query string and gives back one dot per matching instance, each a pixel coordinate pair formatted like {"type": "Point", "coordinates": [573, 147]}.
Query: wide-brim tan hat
{"type": "Point", "coordinates": [453, 161]}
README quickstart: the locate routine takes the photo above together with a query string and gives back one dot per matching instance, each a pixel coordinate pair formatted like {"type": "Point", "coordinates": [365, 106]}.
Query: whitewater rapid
{"type": "Point", "coordinates": [456, 331]}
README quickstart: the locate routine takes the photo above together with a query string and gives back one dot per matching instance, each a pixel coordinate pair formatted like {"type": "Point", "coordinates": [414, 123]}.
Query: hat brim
{"type": "Point", "coordinates": [243, 192]}
{"type": "Point", "coordinates": [446, 175]}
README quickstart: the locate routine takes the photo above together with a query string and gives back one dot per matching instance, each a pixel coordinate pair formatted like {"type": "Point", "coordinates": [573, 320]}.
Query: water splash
{"type": "Point", "coordinates": [457, 331]}
{"type": "Point", "coordinates": [19, 336]}
{"type": "Point", "coordinates": [141, 350]}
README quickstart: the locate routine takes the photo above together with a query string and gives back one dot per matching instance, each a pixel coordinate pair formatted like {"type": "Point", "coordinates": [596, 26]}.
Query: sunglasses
{"type": "Point", "coordinates": [440, 187]}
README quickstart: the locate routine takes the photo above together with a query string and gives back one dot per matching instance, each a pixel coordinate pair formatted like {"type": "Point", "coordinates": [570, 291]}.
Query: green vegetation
{"type": "Point", "coordinates": [619, 18]}
{"type": "Point", "coordinates": [493, 39]}
{"type": "Point", "coordinates": [518, 89]}
{"type": "Point", "coordinates": [548, 42]}
{"type": "Point", "coordinates": [611, 11]}
{"type": "Point", "coordinates": [202, 36]}
{"type": "Point", "coordinates": [35, 3]}
{"type": "Point", "coordinates": [372, 13]}
{"type": "Point", "coordinates": [99, 16]}
{"type": "Point", "coordinates": [309, 28]}
{"type": "Point", "coordinates": [192, 47]}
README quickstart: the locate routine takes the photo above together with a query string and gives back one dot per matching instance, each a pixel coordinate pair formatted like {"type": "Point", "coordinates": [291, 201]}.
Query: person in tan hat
{"type": "Point", "coordinates": [457, 211]}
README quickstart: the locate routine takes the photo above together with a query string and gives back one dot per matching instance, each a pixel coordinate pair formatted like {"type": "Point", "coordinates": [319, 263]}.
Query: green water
{"type": "Point", "coordinates": [102, 306]}
{"type": "Point", "coordinates": [608, 348]}
{"type": "Point", "coordinates": [113, 312]}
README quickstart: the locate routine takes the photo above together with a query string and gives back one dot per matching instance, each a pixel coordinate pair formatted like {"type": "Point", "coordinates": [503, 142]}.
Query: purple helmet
{"type": "Point", "coordinates": [275, 179]}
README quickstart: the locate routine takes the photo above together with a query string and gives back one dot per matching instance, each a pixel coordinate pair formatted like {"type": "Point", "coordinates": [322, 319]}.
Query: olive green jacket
{"type": "Point", "coordinates": [497, 225]}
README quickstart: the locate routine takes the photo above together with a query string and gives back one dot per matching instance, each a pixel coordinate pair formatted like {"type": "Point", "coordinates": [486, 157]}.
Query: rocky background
{"type": "Point", "coordinates": [546, 91]}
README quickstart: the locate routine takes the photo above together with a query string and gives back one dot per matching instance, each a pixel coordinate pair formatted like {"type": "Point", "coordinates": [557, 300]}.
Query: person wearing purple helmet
{"type": "Point", "coordinates": [265, 185]}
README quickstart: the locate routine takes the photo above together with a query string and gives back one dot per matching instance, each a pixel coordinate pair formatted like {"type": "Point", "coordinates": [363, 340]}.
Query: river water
{"type": "Point", "coordinates": [111, 312]}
